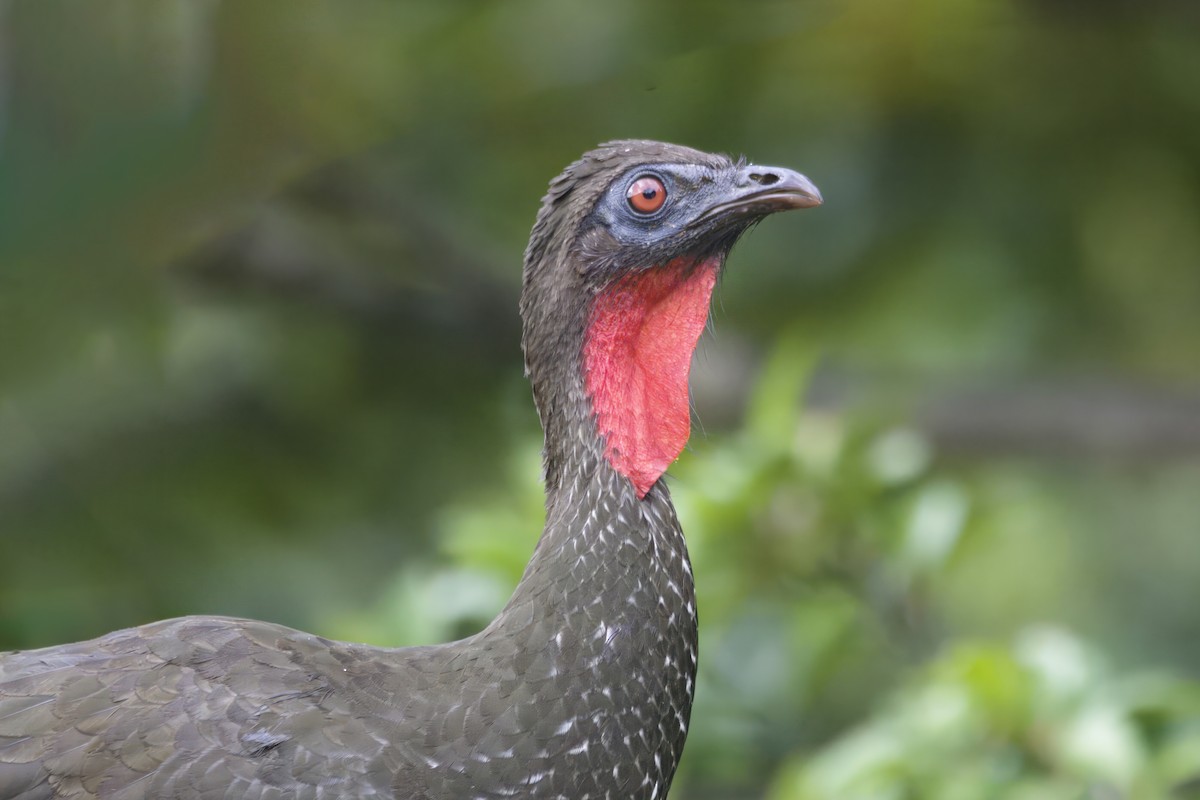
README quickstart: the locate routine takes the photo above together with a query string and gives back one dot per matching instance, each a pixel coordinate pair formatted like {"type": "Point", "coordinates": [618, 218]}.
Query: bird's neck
{"type": "Point", "coordinates": [617, 413]}
{"type": "Point", "coordinates": [602, 628]}
{"type": "Point", "coordinates": [602, 538]}
{"type": "Point", "coordinates": [625, 383]}
{"type": "Point", "coordinates": [601, 633]}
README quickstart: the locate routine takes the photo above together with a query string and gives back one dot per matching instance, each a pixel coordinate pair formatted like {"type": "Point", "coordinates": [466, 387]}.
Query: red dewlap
{"type": "Point", "coordinates": [637, 354]}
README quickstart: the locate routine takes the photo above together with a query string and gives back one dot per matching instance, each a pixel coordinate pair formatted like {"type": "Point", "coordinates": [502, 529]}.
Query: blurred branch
{"type": "Point", "coordinates": [47, 430]}
{"type": "Point", "coordinates": [347, 240]}
{"type": "Point", "coordinates": [1067, 420]}
{"type": "Point", "coordinates": [1100, 417]}
{"type": "Point", "coordinates": [1073, 419]}
{"type": "Point", "coordinates": [341, 241]}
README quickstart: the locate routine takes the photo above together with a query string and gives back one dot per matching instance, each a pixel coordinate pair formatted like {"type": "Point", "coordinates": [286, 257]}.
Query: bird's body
{"type": "Point", "coordinates": [580, 688]}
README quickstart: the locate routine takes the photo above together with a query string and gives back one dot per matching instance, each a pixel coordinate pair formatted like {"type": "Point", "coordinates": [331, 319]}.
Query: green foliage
{"type": "Point", "coordinates": [1042, 718]}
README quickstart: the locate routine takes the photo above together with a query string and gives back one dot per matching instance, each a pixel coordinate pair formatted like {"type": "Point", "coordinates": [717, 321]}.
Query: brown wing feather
{"type": "Point", "coordinates": [189, 708]}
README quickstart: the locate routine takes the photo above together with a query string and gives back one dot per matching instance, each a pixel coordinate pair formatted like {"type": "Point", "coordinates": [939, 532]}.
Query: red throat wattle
{"type": "Point", "coordinates": [636, 354]}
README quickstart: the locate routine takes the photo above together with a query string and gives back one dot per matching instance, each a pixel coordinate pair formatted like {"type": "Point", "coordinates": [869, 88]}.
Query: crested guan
{"type": "Point", "coordinates": [582, 686]}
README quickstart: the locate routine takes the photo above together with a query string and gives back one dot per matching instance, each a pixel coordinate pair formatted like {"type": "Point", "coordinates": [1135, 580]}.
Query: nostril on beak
{"type": "Point", "coordinates": [764, 178]}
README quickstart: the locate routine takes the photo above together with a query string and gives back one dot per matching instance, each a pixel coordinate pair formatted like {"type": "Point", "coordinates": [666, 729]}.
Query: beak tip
{"type": "Point", "coordinates": [807, 192]}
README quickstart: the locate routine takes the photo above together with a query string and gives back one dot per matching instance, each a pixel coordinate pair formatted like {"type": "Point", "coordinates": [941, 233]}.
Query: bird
{"type": "Point", "coordinates": [582, 685]}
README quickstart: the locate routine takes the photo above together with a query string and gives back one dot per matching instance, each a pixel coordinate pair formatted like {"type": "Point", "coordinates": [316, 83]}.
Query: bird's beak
{"type": "Point", "coordinates": [775, 189]}
{"type": "Point", "coordinates": [759, 191]}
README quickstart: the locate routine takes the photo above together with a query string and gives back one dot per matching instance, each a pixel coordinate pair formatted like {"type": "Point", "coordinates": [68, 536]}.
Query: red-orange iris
{"type": "Point", "coordinates": [646, 195]}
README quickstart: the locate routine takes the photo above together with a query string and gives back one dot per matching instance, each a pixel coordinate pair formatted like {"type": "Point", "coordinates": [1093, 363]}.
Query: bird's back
{"type": "Point", "coordinates": [200, 707]}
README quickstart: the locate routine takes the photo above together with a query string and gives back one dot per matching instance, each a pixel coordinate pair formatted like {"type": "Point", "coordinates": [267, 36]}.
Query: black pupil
{"type": "Point", "coordinates": [649, 192]}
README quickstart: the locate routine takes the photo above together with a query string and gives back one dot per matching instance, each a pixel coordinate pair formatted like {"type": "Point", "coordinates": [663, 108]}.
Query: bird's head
{"type": "Point", "coordinates": [619, 274]}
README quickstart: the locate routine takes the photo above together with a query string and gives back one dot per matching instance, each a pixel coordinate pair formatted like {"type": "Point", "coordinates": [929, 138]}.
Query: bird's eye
{"type": "Point", "coordinates": [646, 194]}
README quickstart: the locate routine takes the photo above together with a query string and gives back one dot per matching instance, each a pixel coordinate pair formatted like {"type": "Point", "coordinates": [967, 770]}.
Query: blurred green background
{"type": "Point", "coordinates": [259, 355]}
